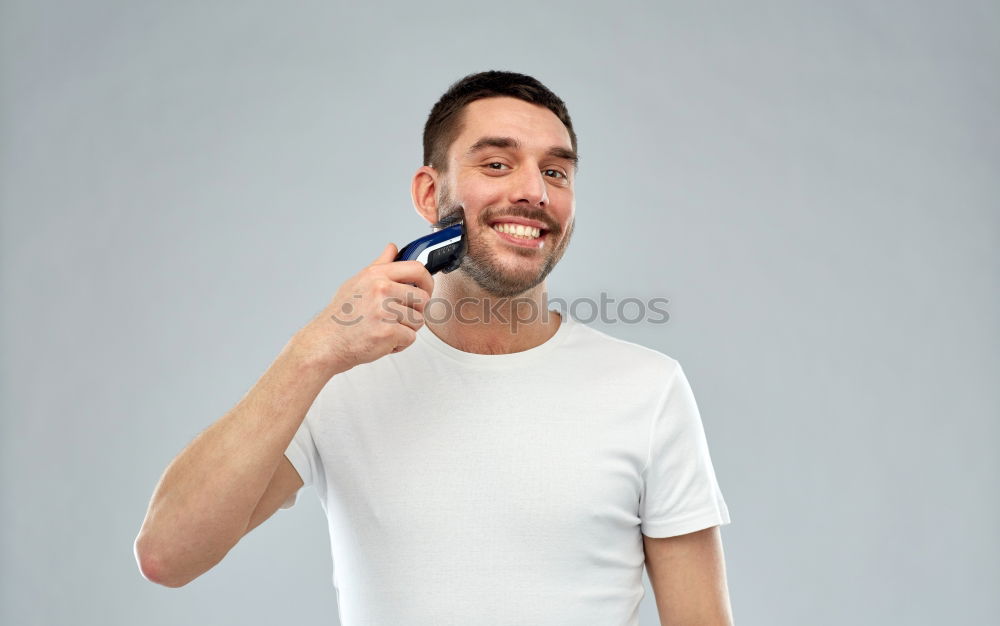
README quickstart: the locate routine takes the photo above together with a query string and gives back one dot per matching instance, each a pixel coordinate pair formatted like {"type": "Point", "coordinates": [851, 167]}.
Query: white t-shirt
{"type": "Point", "coordinates": [507, 489]}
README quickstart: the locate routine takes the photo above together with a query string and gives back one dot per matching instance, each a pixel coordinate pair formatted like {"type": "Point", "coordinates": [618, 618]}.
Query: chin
{"type": "Point", "coordinates": [499, 280]}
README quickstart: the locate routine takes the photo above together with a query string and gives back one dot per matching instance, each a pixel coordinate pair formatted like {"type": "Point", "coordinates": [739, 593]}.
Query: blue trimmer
{"type": "Point", "coordinates": [440, 251]}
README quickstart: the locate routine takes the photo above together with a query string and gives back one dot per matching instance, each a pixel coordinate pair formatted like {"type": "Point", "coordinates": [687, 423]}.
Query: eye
{"type": "Point", "coordinates": [557, 172]}
{"type": "Point", "coordinates": [490, 165]}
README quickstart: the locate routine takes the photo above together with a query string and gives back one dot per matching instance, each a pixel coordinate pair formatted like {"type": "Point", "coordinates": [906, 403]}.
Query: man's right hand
{"type": "Point", "coordinates": [375, 313]}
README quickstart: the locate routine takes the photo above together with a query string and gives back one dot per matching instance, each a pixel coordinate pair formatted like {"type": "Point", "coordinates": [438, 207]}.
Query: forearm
{"type": "Point", "coordinates": [205, 498]}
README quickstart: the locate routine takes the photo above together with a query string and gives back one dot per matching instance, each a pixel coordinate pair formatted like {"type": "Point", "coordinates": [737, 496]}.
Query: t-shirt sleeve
{"type": "Point", "coordinates": [680, 493]}
{"type": "Point", "coordinates": [303, 454]}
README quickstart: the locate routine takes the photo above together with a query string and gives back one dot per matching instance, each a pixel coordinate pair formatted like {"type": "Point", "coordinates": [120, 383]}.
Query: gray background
{"type": "Point", "coordinates": [813, 185]}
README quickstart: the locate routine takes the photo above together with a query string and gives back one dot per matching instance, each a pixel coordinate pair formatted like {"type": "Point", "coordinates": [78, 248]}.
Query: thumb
{"type": "Point", "coordinates": [388, 254]}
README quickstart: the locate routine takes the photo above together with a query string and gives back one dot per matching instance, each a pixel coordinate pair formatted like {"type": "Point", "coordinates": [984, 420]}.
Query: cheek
{"type": "Point", "coordinates": [563, 211]}
{"type": "Point", "coordinates": [484, 188]}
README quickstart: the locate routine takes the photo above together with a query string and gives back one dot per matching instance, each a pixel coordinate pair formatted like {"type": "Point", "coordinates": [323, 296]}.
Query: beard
{"type": "Point", "coordinates": [485, 265]}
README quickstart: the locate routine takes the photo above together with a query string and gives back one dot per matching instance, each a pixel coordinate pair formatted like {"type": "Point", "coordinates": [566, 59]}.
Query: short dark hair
{"type": "Point", "coordinates": [444, 122]}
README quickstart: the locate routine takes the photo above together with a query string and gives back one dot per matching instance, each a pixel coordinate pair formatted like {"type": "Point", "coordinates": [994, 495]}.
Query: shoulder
{"type": "Point", "coordinates": [611, 352]}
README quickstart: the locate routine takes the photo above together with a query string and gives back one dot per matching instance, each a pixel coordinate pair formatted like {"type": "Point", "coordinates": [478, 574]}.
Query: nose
{"type": "Point", "coordinates": [529, 186]}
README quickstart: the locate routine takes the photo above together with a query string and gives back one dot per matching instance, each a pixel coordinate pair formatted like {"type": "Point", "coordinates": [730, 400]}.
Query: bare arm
{"type": "Point", "coordinates": [203, 503]}
{"type": "Point", "coordinates": [688, 576]}
{"type": "Point", "coordinates": [284, 483]}
{"type": "Point", "coordinates": [233, 476]}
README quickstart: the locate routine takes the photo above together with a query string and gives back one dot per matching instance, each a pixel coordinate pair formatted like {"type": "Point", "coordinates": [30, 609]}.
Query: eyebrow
{"type": "Point", "coordinates": [510, 143]}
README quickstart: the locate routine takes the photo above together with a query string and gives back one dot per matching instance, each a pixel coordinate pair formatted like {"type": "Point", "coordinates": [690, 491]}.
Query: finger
{"type": "Point", "coordinates": [406, 338]}
{"type": "Point", "coordinates": [409, 272]}
{"type": "Point", "coordinates": [388, 254]}
{"type": "Point", "coordinates": [404, 315]}
{"type": "Point", "coordinates": [409, 296]}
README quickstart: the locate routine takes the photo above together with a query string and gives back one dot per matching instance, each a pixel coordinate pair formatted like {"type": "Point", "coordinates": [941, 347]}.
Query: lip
{"type": "Point", "coordinates": [535, 244]}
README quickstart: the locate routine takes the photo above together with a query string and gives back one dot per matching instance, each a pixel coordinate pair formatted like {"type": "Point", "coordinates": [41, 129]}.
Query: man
{"type": "Point", "coordinates": [481, 459]}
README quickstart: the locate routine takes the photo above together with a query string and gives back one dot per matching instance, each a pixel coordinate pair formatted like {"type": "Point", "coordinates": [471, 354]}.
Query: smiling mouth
{"type": "Point", "coordinates": [521, 236]}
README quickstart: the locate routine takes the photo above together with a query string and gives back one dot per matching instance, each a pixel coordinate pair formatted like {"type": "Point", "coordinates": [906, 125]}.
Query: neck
{"type": "Point", "coordinates": [472, 320]}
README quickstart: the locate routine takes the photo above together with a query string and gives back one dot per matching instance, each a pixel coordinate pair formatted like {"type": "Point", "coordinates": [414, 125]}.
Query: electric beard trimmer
{"type": "Point", "coordinates": [440, 251]}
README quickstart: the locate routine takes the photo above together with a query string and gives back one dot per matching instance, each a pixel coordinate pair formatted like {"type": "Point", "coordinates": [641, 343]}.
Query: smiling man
{"type": "Point", "coordinates": [472, 470]}
{"type": "Point", "coordinates": [511, 164]}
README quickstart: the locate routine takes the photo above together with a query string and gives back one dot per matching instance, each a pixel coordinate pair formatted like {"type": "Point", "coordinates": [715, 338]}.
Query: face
{"type": "Point", "coordinates": [512, 165]}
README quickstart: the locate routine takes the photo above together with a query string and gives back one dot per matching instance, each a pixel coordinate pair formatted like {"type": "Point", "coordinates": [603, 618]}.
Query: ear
{"type": "Point", "coordinates": [424, 190]}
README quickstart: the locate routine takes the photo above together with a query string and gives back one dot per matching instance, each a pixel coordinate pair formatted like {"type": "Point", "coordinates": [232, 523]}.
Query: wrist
{"type": "Point", "coordinates": [307, 359]}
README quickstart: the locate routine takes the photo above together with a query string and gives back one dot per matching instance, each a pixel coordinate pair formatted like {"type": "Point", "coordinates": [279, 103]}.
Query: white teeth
{"type": "Point", "coordinates": [518, 230]}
